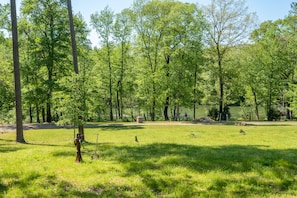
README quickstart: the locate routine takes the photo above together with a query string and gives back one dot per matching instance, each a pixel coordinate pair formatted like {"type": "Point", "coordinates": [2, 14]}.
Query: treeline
{"type": "Point", "coordinates": [154, 59]}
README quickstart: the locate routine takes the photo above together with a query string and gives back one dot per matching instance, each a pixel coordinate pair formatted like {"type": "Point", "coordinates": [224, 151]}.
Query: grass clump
{"type": "Point", "coordinates": [168, 161]}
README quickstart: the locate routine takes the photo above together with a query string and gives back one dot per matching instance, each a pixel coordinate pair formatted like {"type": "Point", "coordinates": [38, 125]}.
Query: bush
{"type": "Point", "coordinates": [214, 113]}
{"type": "Point", "coordinates": [273, 114]}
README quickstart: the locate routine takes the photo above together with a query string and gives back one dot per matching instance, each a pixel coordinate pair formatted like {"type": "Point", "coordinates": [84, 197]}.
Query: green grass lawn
{"type": "Point", "coordinates": [169, 161]}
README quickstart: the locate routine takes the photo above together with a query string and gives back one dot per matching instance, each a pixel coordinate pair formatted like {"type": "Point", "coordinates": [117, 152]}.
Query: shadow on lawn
{"type": "Point", "coordinates": [117, 127]}
{"type": "Point", "coordinates": [151, 161]}
{"type": "Point", "coordinates": [233, 158]}
{"type": "Point", "coordinates": [53, 187]}
{"type": "Point", "coordinates": [6, 146]}
{"type": "Point", "coordinates": [7, 149]}
{"type": "Point", "coordinates": [172, 168]}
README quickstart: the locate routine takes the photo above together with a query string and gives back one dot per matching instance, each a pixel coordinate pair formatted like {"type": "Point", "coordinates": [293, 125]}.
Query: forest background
{"type": "Point", "coordinates": [158, 59]}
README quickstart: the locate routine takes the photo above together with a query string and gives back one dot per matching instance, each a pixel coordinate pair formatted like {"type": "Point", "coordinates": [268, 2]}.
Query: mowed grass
{"type": "Point", "coordinates": [168, 161]}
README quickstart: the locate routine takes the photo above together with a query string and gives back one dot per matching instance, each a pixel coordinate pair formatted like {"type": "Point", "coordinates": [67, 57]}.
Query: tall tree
{"type": "Point", "coordinates": [229, 24]}
{"type": "Point", "coordinates": [151, 22]}
{"type": "Point", "coordinates": [273, 42]}
{"type": "Point", "coordinates": [75, 61]}
{"type": "Point", "coordinates": [167, 32]}
{"type": "Point", "coordinates": [49, 44]}
{"type": "Point", "coordinates": [252, 72]}
{"type": "Point", "coordinates": [103, 22]}
{"type": "Point", "coordinates": [6, 75]}
{"type": "Point", "coordinates": [122, 32]}
{"type": "Point", "coordinates": [17, 76]}
{"type": "Point", "coordinates": [6, 79]}
{"type": "Point", "coordinates": [183, 57]}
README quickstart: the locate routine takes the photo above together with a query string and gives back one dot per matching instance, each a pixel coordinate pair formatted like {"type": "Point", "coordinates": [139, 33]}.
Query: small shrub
{"type": "Point", "coordinates": [273, 114]}
{"type": "Point", "coordinates": [213, 113]}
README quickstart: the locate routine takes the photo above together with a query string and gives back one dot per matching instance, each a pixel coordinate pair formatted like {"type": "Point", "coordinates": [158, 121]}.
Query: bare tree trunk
{"type": "Point", "coordinates": [37, 113]}
{"type": "Point", "coordinates": [48, 112]}
{"type": "Point", "coordinates": [17, 76]}
{"type": "Point", "coordinates": [43, 114]}
{"type": "Point", "coordinates": [221, 102]}
{"type": "Point", "coordinates": [72, 34]}
{"type": "Point", "coordinates": [256, 105]}
{"type": "Point", "coordinates": [118, 101]}
{"type": "Point", "coordinates": [31, 114]}
{"type": "Point", "coordinates": [166, 108]}
{"type": "Point", "coordinates": [194, 95]}
{"type": "Point", "coordinates": [74, 56]}
{"type": "Point", "coordinates": [110, 85]}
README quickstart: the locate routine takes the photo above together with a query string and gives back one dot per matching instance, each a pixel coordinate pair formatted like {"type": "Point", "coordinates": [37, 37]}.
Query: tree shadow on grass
{"type": "Point", "coordinates": [51, 186]}
{"type": "Point", "coordinates": [7, 141]}
{"type": "Point", "coordinates": [233, 158]}
{"type": "Point", "coordinates": [3, 188]}
{"type": "Point", "coordinates": [117, 127]}
{"type": "Point", "coordinates": [7, 146]}
{"type": "Point", "coordinates": [151, 161]}
{"type": "Point", "coordinates": [7, 149]}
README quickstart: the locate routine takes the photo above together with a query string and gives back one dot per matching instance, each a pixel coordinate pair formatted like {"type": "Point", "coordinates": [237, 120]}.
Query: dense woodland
{"type": "Point", "coordinates": [154, 59]}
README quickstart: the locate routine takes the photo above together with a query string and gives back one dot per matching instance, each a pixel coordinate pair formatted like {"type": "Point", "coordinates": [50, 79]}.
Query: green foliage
{"type": "Point", "coordinates": [169, 38]}
{"type": "Point", "coordinates": [4, 18]}
{"type": "Point", "coordinates": [213, 113]}
{"type": "Point", "coordinates": [229, 24]}
{"type": "Point", "coordinates": [168, 161]}
{"type": "Point", "coordinates": [6, 79]}
{"type": "Point", "coordinates": [155, 58]}
{"type": "Point", "coordinates": [71, 102]}
{"type": "Point", "coordinates": [273, 114]}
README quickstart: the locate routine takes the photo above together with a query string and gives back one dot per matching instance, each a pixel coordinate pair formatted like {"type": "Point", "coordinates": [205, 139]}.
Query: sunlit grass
{"type": "Point", "coordinates": [168, 161]}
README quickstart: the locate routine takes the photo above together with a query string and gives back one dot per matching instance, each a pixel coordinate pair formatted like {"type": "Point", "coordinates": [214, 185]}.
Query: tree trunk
{"type": "Point", "coordinates": [221, 83]}
{"type": "Point", "coordinates": [43, 114]}
{"type": "Point", "coordinates": [121, 80]}
{"type": "Point", "coordinates": [118, 100]}
{"type": "Point", "coordinates": [121, 104]}
{"type": "Point", "coordinates": [110, 102]}
{"type": "Point", "coordinates": [194, 95]}
{"type": "Point", "coordinates": [17, 76]}
{"type": "Point", "coordinates": [72, 34]}
{"type": "Point", "coordinates": [110, 83]}
{"type": "Point", "coordinates": [166, 108]}
{"type": "Point", "coordinates": [176, 113]}
{"type": "Point", "coordinates": [48, 112]}
{"type": "Point", "coordinates": [31, 114]}
{"type": "Point", "coordinates": [153, 113]}
{"type": "Point", "coordinates": [256, 105]}
{"type": "Point", "coordinates": [221, 103]}
{"type": "Point", "coordinates": [194, 111]}
{"type": "Point", "coordinates": [37, 113]}
{"type": "Point", "coordinates": [74, 56]}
